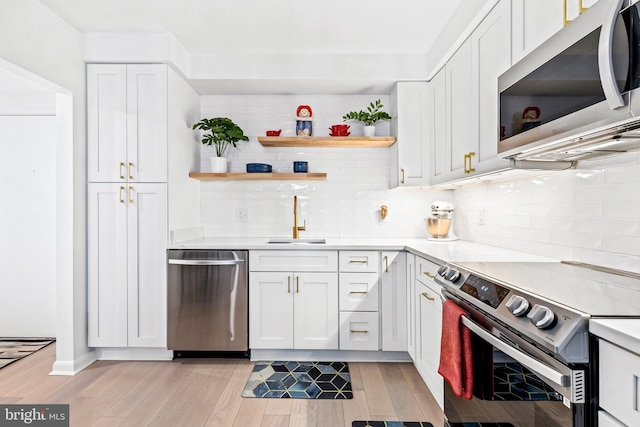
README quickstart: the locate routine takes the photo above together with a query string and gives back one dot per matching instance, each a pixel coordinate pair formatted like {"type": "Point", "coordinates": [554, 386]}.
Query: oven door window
{"type": "Point", "coordinates": [508, 394]}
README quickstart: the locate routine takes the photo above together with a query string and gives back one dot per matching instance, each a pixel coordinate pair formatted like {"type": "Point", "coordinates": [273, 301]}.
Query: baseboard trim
{"type": "Point", "coordinates": [330, 355]}
{"type": "Point", "coordinates": [133, 354]}
{"type": "Point", "coordinates": [72, 367]}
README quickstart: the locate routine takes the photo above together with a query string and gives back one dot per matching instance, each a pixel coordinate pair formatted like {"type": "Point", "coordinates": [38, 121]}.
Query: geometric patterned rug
{"type": "Point", "coordinates": [512, 381]}
{"type": "Point", "coordinates": [390, 424]}
{"type": "Point", "coordinates": [299, 380]}
{"type": "Point", "coordinates": [12, 349]}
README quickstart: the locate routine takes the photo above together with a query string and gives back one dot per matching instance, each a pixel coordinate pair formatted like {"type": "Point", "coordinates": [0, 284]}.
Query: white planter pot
{"type": "Point", "coordinates": [218, 165]}
{"type": "Point", "coordinates": [369, 131]}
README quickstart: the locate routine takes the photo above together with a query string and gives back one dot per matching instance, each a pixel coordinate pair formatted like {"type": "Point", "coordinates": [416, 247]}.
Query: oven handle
{"type": "Point", "coordinates": [537, 367]}
{"type": "Point", "coordinates": [206, 262]}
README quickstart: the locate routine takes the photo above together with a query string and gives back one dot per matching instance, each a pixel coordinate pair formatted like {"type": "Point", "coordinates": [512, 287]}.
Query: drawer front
{"type": "Point", "coordinates": [358, 291]}
{"type": "Point", "coordinates": [313, 261]}
{"type": "Point", "coordinates": [426, 270]}
{"type": "Point", "coordinates": [619, 383]}
{"type": "Point", "coordinates": [359, 261]}
{"type": "Point", "coordinates": [359, 331]}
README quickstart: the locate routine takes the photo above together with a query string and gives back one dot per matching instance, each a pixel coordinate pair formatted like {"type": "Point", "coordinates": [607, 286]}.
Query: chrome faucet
{"type": "Point", "coordinates": [296, 229]}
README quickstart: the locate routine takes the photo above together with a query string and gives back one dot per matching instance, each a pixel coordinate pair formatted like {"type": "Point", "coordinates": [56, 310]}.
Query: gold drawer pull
{"type": "Point", "coordinates": [130, 191]}
{"type": "Point", "coordinates": [359, 331]}
{"type": "Point", "coordinates": [121, 166]}
{"type": "Point", "coordinates": [358, 292]}
{"type": "Point", "coordinates": [129, 169]}
{"type": "Point", "coordinates": [429, 275]}
{"type": "Point", "coordinates": [288, 284]}
{"type": "Point", "coordinates": [358, 261]}
{"type": "Point", "coordinates": [121, 190]}
{"type": "Point", "coordinates": [426, 295]}
{"type": "Point", "coordinates": [297, 284]}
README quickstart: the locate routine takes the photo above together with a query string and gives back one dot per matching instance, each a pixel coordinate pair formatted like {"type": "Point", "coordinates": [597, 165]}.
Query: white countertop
{"type": "Point", "coordinates": [456, 251]}
{"type": "Point", "coordinates": [622, 332]}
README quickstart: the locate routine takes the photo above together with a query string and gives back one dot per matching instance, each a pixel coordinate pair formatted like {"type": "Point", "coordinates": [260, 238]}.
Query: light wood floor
{"type": "Point", "coordinates": [198, 392]}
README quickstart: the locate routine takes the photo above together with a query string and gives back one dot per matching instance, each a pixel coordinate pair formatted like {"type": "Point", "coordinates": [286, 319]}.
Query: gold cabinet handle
{"type": "Point", "coordinates": [386, 264]}
{"type": "Point", "coordinates": [468, 156]}
{"type": "Point", "coordinates": [358, 292]}
{"type": "Point", "coordinates": [130, 191]}
{"type": "Point", "coordinates": [581, 7]}
{"type": "Point", "coordinates": [402, 180]}
{"type": "Point", "coordinates": [429, 275]}
{"type": "Point", "coordinates": [297, 284]}
{"type": "Point", "coordinates": [359, 331]}
{"type": "Point", "coordinates": [121, 190]}
{"type": "Point", "coordinates": [358, 261]}
{"type": "Point", "coordinates": [288, 284]}
{"type": "Point", "coordinates": [121, 166]}
{"type": "Point", "coordinates": [426, 295]}
{"type": "Point", "coordinates": [129, 169]}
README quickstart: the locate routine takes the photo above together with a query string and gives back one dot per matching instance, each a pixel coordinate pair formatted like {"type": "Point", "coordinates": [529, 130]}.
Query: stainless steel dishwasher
{"type": "Point", "coordinates": [207, 302]}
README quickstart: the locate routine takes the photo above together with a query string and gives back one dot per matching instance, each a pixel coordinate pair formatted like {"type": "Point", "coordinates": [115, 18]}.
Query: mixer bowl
{"type": "Point", "coordinates": [438, 227]}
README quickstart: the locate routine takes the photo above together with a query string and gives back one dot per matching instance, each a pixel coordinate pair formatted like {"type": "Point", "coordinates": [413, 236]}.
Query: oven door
{"type": "Point", "coordinates": [516, 384]}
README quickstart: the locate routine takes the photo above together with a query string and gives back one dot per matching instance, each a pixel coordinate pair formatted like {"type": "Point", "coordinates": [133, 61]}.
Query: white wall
{"type": "Point", "coordinates": [591, 214]}
{"type": "Point", "coordinates": [28, 216]}
{"type": "Point", "coordinates": [48, 47]}
{"type": "Point", "coordinates": [345, 205]}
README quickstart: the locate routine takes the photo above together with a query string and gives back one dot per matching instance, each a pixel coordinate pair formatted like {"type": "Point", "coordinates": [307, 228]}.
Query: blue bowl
{"type": "Point", "coordinates": [258, 168]}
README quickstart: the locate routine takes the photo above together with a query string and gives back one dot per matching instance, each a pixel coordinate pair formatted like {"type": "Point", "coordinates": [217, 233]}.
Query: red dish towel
{"type": "Point", "coordinates": [456, 360]}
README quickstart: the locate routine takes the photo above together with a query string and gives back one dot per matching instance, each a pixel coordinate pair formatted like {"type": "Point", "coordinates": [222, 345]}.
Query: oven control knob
{"type": "Point", "coordinates": [452, 275]}
{"type": "Point", "coordinates": [442, 270]}
{"type": "Point", "coordinates": [517, 305]}
{"type": "Point", "coordinates": [542, 317]}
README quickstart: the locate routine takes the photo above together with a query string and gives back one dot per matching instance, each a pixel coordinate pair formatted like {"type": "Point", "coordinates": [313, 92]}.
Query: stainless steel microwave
{"type": "Point", "coordinates": [577, 95]}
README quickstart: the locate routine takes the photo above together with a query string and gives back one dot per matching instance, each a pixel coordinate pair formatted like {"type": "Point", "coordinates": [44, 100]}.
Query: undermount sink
{"type": "Point", "coordinates": [298, 241]}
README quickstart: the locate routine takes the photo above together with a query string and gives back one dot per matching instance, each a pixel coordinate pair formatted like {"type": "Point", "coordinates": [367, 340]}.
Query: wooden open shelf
{"type": "Point", "coordinates": [326, 141]}
{"type": "Point", "coordinates": [312, 176]}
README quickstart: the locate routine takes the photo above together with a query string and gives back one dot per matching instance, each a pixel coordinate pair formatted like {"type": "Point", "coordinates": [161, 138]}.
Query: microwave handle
{"type": "Point", "coordinates": [605, 57]}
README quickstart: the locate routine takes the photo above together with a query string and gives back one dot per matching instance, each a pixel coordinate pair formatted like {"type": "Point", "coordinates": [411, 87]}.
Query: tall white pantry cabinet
{"type": "Point", "coordinates": [129, 126]}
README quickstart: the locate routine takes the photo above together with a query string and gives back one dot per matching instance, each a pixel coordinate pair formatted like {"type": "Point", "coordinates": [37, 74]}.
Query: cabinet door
{"type": "Point", "coordinates": [411, 129]}
{"type": "Point", "coordinates": [429, 317]}
{"type": "Point", "coordinates": [411, 309]}
{"type": "Point", "coordinates": [147, 265]}
{"type": "Point", "coordinates": [147, 123]}
{"type": "Point", "coordinates": [491, 47]}
{"type": "Point", "coordinates": [462, 110]}
{"type": "Point", "coordinates": [619, 383]}
{"type": "Point", "coordinates": [394, 301]}
{"type": "Point", "coordinates": [271, 310]}
{"type": "Point", "coordinates": [315, 314]}
{"type": "Point", "coordinates": [437, 124]}
{"type": "Point", "coordinates": [533, 23]}
{"type": "Point", "coordinates": [107, 265]}
{"type": "Point", "coordinates": [106, 122]}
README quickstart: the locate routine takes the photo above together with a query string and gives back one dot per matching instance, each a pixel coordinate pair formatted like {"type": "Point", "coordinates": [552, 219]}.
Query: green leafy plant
{"type": "Point", "coordinates": [369, 117]}
{"type": "Point", "coordinates": [224, 133]}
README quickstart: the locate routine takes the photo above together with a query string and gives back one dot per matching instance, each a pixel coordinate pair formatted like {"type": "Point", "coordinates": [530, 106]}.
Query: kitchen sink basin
{"type": "Point", "coordinates": [298, 241]}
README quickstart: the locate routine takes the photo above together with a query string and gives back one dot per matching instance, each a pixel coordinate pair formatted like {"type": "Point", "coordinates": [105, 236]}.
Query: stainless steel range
{"type": "Point", "coordinates": [532, 352]}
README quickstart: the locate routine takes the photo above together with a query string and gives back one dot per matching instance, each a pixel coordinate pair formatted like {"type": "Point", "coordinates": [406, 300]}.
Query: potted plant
{"type": "Point", "coordinates": [369, 118]}
{"type": "Point", "coordinates": [224, 133]}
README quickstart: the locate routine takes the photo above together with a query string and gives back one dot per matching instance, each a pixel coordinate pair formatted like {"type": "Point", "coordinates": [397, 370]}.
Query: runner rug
{"type": "Point", "coordinates": [12, 349]}
{"type": "Point", "coordinates": [299, 380]}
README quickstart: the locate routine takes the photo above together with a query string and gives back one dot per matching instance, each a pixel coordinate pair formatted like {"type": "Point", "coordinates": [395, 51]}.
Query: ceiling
{"type": "Point", "coordinates": [232, 43]}
{"type": "Point", "coordinates": [281, 26]}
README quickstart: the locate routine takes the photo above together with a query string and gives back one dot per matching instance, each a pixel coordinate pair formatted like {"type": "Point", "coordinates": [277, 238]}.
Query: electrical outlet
{"type": "Point", "coordinates": [242, 214]}
{"type": "Point", "coordinates": [481, 217]}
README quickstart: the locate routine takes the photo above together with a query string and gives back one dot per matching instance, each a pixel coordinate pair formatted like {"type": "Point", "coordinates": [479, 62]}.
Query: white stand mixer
{"type": "Point", "coordinates": [440, 223]}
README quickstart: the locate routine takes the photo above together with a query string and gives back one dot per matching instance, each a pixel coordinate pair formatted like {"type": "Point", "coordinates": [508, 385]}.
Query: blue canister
{"type": "Point", "coordinates": [300, 166]}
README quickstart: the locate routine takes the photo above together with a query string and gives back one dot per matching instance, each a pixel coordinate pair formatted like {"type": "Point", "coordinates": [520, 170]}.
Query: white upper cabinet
{"type": "Point", "coordinates": [533, 23]}
{"type": "Point", "coordinates": [127, 122]}
{"type": "Point", "coordinates": [463, 102]}
{"type": "Point", "coordinates": [410, 158]}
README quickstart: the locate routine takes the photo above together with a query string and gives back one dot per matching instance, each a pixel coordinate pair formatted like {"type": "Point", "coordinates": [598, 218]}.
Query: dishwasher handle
{"type": "Point", "coordinates": [206, 261]}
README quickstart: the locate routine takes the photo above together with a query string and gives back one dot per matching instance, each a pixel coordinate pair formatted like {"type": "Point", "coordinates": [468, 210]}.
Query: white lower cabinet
{"type": "Point", "coordinates": [127, 228]}
{"type": "Point", "coordinates": [411, 306]}
{"type": "Point", "coordinates": [393, 304]}
{"type": "Point", "coordinates": [293, 309]}
{"type": "Point", "coordinates": [619, 385]}
{"type": "Point", "coordinates": [359, 330]}
{"type": "Point", "coordinates": [428, 327]}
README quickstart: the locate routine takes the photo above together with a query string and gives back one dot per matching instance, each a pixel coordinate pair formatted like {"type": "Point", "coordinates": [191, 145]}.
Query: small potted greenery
{"type": "Point", "coordinates": [224, 133]}
{"type": "Point", "coordinates": [369, 118]}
